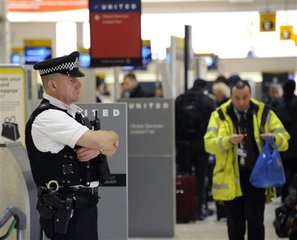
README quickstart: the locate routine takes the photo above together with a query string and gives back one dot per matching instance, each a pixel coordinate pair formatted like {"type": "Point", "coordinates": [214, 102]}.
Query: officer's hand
{"type": "Point", "coordinates": [236, 138]}
{"type": "Point", "coordinates": [106, 142]}
{"type": "Point", "coordinates": [110, 145]}
{"type": "Point", "coordinates": [86, 154]}
{"type": "Point", "coordinates": [268, 135]}
{"type": "Point", "coordinates": [264, 135]}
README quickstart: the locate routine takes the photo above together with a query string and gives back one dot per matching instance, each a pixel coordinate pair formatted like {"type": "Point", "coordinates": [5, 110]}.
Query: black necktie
{"type": "Point", "coordinates": [247, 140]}
{"type": "Point", "coordinates": [242, 123]}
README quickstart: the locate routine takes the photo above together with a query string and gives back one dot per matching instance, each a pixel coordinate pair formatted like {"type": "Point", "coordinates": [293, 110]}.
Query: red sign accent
{"type": "Point", "coordinates": [46, 5]}
{"type": "Point", "coordinates": [113, 34]}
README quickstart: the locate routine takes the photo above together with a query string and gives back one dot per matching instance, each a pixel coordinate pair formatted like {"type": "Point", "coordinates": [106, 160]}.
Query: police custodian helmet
{"type": "Point", "coordinates": [68, 65]}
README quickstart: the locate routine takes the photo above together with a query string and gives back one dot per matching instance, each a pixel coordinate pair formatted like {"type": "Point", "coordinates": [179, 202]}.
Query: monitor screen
{"type": "Point", "coordinates": [16, 58]}
{"type": "Point", "coordinates": [146, 55]}
{"type": "Point", "coordinates": [85, 60]}
{"type": "Point", "coordinates": [291, 76]}
{"type": "Point", "coordinates": [37, 54]}
{"type": "Point", "coordinates": [211, 61]}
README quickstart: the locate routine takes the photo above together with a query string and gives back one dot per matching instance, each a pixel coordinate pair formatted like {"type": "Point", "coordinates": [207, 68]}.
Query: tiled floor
{"type": "Point", "coordinates": [211, 229]}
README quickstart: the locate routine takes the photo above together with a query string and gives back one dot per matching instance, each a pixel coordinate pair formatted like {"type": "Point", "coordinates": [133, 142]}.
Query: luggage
{"type": "Point", "coordinates": [186, 200]}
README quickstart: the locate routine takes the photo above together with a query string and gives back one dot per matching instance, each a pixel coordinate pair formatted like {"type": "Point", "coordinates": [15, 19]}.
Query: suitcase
{"type": "Point", "coordinates": [186, 200]}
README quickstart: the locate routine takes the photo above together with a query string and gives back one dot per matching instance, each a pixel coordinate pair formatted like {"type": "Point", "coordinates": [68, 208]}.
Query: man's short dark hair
{"type": "Point", "coordinates": [199, 84]}
{"type": "Point", "coordinates": [240, 85]}
{"type": "Point", "coordinates": [130, 75]}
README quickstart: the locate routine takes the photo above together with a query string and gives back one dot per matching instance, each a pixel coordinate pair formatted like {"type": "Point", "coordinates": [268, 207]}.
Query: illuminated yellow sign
{"type": "Point", "coordinates": [286, 33]}
{"type": "Point", "coordinates": [17, 50]}
{"type": "Point", "coordinates": [267, 22]}
{"type": "Point", "coordinates": [38, 43]}
{"type": "Point", "coordinates": [146, 43]}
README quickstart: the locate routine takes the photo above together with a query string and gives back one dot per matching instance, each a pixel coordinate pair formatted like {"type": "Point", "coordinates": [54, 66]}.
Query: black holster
{"type": "Point", "coordinates": [103, 170]}
{"type": "Point", "coordinates": [54, 212]}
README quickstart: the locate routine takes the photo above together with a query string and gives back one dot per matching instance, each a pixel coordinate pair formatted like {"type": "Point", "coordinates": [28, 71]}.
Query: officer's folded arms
{"type": "Point", "coordinates": [95, 142]}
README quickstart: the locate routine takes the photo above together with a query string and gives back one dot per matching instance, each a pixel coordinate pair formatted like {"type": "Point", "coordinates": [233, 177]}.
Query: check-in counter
{"type": "Point", "coordinates": [17, 188]}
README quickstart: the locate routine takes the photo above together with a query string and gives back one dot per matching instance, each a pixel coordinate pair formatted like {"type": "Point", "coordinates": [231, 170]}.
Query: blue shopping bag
{"type": "Point", "coordinates": [268, 170]}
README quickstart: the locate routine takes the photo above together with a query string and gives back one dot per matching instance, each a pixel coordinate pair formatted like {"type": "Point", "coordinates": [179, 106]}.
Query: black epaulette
{"type": "Point", "coordinates": [221, 115]}
{"type": "Point", "coordinates": [264, 118]}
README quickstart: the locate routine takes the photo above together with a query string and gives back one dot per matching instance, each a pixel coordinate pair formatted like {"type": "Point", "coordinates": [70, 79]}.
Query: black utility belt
{"type": "Point", "coordinates": [79, 189]}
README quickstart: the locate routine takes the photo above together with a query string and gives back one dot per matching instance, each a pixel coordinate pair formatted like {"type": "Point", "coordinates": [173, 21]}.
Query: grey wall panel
{"type": "Point", "coordinates": [151, 197]}
{"type": "Point", "coordinates": [151, 164]}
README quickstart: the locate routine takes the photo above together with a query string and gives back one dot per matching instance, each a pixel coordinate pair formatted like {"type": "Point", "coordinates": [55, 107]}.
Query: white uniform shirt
{"type": "Point", "coordinates": [52, 129]}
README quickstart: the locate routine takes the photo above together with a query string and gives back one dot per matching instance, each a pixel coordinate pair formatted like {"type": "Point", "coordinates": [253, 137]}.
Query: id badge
{"type": "Point", "coordinates": [241, 152]}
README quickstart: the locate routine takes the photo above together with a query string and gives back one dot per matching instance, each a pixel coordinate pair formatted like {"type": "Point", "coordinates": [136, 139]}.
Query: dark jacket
{"type": "Point", "coordinates": [203, 106]}
{"type": "Point", "coordinates": [138, 92]}
{"type": "Point", "coordinates": [286, 110]}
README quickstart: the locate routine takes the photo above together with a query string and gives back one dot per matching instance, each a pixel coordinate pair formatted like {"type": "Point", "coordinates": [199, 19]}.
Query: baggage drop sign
{"type": "Point", "coordinates": [115, 33]}
{"type": "Point", "coordinates": [12, 104]}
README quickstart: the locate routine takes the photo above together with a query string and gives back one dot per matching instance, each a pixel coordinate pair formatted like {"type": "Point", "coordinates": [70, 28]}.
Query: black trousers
{"type": "Point", "coordinates": [247, 210]}
{"type": "Point", "coordinates": [290, 166]}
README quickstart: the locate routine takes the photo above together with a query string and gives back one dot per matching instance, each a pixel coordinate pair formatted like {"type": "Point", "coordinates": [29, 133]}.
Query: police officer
{"type": "Point", "coordinates": [63, 151]}
{"type": "Point", "coordinates": [235, 135]}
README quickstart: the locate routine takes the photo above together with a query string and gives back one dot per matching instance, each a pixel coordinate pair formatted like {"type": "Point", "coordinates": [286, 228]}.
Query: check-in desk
{"type": "Point", "coordinates": [17, 187]}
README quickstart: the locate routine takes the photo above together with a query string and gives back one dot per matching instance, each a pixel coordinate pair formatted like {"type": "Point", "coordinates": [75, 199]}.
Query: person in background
{"type": "Point", "coordinates": [99, 81]}
{"type": "Point", "coordinates": [221, 78]}
{"type": "Point", "coordinates": [233, 136]}
{"type": "Point", "coordinates": [131, 87]}
{"type": "Point", "coordinates": [59, 145]}
{"type": "Point", "coordinates": [193, 109]}
{"type": "Point", "coordinates": [274, 95]}
{"type": "Point", "coordinates": [158, 90]}
{"type": "Point", "coordinates": [102, 93]}
{"type": "Point", "coordinates": [286, 110]}
{"type": "Point", "coordinates": [221, 91]}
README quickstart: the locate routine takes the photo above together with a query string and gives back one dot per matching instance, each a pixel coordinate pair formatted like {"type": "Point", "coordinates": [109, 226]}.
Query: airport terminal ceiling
{"type": "Point", "coordinates": [173, 6]}
{"type": "Point", "coordinates": [206, 18]}
{"type": "Point", "coordinates": [177, 6]}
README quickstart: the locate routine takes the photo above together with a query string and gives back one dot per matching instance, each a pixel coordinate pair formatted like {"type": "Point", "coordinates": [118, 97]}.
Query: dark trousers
{"type": "Point", "coordinates": [247, 210]}
{"type": "Point", "coordinates": [290, 166]}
